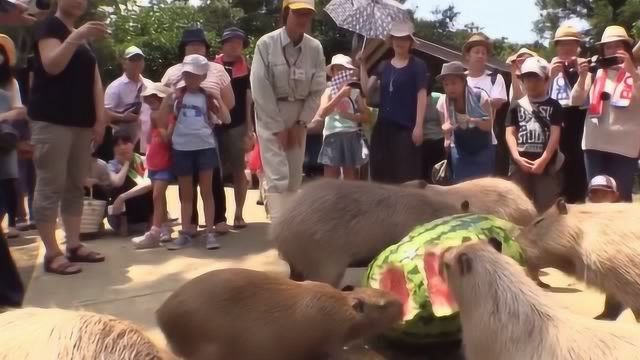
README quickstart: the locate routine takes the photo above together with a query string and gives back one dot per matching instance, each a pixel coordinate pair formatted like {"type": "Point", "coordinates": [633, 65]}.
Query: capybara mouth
{"type": "Point", "coordinates": [442, 302]}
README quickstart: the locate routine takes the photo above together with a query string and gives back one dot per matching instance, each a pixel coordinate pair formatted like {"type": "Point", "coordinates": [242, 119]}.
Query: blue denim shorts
{"type": "Point", "coordinates": [186, 163]}
{"type": "Point", "coordinates": [161, 175]}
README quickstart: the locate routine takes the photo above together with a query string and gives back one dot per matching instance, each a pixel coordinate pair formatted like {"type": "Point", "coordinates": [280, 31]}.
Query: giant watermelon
{"type": "Point", "coordinates": [400, 269]}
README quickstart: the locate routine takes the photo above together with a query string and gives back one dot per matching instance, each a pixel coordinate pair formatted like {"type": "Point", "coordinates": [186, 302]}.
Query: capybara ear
{"type": "Point", "coordinates": [464, 264]}
{"type": "Point", "coordinates": [495, 243]}
{"type": "Point", "coordinates": [357, 305]}
{"type": "Point", "coordinates": [416, 184]}
{"type": "Point", "coordinates": [561, 205]}
{"type": "Point", "coordinates": [348, 288]}
{"type": "Point", "coordinates": [464, 206]}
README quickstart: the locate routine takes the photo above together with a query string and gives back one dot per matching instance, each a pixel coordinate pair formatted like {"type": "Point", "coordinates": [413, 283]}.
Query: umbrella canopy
{"type": "Point", "coordinates": [371, 18]}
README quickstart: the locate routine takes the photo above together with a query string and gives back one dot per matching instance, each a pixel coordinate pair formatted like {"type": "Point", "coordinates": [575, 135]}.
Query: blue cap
{"type": "Point", "coordinates": [235, 33]}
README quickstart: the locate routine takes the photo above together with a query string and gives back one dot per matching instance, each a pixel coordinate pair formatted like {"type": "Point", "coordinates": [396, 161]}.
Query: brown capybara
{"type": "Point", "coordinates": [331, 225]}
{"type": "Point", "coordinates": [596, 243]}
{"type": "Point", "coordinates": [40, 334]}
{"type": "Point", "coordinates": [505, 316]}
{"type": "Point", "coordinates": [244, 314]}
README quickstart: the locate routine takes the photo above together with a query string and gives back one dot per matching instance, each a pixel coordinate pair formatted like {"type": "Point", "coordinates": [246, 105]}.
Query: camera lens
{"type": "Point", "coordinates": [605, 96]}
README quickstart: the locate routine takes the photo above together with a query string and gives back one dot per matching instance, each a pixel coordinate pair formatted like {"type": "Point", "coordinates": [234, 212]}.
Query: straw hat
{"type": "Point", "coordinates": [477, 40]}
{"type": "Point", "coordinates": [522, 51]}
{"type": "Point", "coordinates": [341, 59]}
{"type": "Point", "coordinates": [615, 33]}
{"type": "Point", "coordinates": [567, 32]}
{"type": "Point", "coordinates": [9, 47]}
{"type": "Point", "coordinates": [299, 4]}
{"type": "Point", "coordinates": [454, 68]}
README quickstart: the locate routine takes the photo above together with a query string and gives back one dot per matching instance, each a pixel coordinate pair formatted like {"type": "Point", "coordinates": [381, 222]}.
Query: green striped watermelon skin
{"type": "Point", "coordinates": [420, 325]}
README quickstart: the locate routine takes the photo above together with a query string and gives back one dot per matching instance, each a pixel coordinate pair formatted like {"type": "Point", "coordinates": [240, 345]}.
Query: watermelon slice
{"type": "Point", "coordinates": [442, 301]}
{"type": "Point", "coordinates": [393, 280]}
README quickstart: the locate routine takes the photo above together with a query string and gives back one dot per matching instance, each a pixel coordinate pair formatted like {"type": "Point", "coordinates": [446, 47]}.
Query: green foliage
{"type": "Point", "coordinates": [598, 13]}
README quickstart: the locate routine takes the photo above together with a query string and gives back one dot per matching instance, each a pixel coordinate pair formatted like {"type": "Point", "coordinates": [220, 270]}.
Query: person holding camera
{"type": "Point", "coordinates": [611, 140]}
{"type": "Point", "coordinates": [563, 75]}
{"type": "Point", "coordinates": [67, 112]}
{"type": "Point", "coordinates": [342, 109]}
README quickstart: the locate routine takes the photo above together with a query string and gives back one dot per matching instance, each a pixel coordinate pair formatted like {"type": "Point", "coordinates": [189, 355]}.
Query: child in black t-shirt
{"type": "Point", "coordinates": [533, 133]}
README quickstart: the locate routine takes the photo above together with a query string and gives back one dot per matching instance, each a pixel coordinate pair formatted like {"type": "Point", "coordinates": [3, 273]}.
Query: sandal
{"type": "Point", "coordinates": [239, 223]}
{"type": "Point", "coordinates": [62, 269]}
{"type": "Point", "coordinates": [91, 257]}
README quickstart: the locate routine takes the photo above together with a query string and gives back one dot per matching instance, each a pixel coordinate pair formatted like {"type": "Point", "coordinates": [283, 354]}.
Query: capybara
{"type": "Point", "coordinates": [331, 225]}
{"type": "Point", "coordinates": [40, 334]}
{"type": "Point", "coordinates": [505, 316]}
{"type": "Point", "coordinates": [244, 314]}
{"type": "Point", "coordinates": [596, 243]}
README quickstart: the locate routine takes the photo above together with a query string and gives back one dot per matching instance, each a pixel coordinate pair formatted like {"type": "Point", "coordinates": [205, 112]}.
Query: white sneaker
{"type": "Point", "coordinates": [211, 241]}
{"type": "Point", "coordinates": [147, 241]}
{"type": "Point", "coordinates": [165, 234]}
{"type": "Point", "coordinates": [184, 239]}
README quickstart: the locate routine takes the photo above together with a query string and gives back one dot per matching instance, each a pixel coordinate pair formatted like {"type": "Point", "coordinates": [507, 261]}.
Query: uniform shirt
{"type": "Point", "coordinates": [67, 98]}
{"type": "Point", "coordinates": [122, 95]}
{"type": "Point", "coordinates": [271, 77]}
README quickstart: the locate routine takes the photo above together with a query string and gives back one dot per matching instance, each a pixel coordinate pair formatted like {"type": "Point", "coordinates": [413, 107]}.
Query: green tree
{"type": "Point", "coordinates": [598, 13]}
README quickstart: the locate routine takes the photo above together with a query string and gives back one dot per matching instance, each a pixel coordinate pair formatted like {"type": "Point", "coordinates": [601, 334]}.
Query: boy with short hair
{"type": "Point", "coordinates": [533, 133]}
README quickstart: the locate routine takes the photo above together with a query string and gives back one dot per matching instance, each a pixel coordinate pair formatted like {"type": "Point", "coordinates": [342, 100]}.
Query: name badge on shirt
{"type": "Point", "coordinates": [298, 74]}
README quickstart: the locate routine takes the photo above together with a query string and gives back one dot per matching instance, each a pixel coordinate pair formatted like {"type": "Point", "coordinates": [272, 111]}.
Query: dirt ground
{"type": "Point", "coordinates": [132, 284]}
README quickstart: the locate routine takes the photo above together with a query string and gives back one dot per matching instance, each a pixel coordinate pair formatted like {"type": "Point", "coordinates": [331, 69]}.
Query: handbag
{"type": "Point", "coordinates": [8, 137]}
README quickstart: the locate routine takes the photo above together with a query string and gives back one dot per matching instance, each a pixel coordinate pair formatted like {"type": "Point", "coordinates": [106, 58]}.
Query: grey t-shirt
{"type": "Point", "coordinates": [432, 125]}
{"type": "Point", "coordinates": [192, 130]}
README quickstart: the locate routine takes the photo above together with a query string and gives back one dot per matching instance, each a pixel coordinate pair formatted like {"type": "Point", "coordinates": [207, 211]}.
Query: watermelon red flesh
{"type": "Point", "coordinates": [393, 280]}
{"type": "Point", "coordinates": [442, 301]}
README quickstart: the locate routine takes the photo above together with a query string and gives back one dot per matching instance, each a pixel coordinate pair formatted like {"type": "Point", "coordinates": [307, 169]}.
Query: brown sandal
{"type": "Point", "coordinates": [62, 269]}
{"type": "Point", "coordinates": [91, 257]}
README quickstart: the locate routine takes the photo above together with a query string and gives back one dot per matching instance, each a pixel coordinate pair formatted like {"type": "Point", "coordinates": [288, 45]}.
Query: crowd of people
{"type": "Point", "coordinates": [569, 121]}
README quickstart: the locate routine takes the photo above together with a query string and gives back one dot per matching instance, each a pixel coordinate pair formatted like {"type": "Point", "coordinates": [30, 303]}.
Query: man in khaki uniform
{"type": "Point", "coordinates": [288, 78]}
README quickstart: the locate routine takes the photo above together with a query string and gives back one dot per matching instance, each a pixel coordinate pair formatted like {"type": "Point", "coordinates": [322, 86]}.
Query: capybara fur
{"type": "Point", "coordinates": [596, 243]}
{"type": "Point", "coordinates": [331, 225]}
{"type": "Point", "coordinates": [40, 334]}
{"type": "Point", "coordinates": [505, 316]}
{"type": "Point", "coordinates": [244, 314]}
{"type": "Point", "coordinates": [488, 196]}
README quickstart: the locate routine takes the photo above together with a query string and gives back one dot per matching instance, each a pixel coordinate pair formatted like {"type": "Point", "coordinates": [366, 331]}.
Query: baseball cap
{"type": "Point", "coordinates": [603, 182]}
{"type": "Point", "coordinates": [156, 89]}
{"type": "Point", "coordinates": [299, 4]}
{"type": "Point", "coordinates": [535, 65]}
{"type": "Point", "coordinates": [132, 51]}
{"type": "Point", "coordinates": [195, 64]}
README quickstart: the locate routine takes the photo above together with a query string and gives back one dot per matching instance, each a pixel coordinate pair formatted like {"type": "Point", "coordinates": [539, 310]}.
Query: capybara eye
{"type": "Point", "coordinates": [538, 221]}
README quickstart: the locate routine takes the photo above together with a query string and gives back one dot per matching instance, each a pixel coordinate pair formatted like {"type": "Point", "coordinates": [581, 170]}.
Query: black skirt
{"type": "Point", "coordinates": [395, 159]}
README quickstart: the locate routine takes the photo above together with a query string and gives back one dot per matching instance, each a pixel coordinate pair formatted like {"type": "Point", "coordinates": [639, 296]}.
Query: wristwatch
{"type": "Point", "coordinates": [300, 123]}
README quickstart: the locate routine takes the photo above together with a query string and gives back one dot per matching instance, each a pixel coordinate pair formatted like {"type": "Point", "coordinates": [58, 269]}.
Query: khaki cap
{"type": "Point", "coordinates": [477, 40]}
{"type": "Point", "coordinates": [299, 4]}
{"type": "Point", "coordinates": [567, 32]}
{"type": "Point", "coordinates": [615, 33]}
